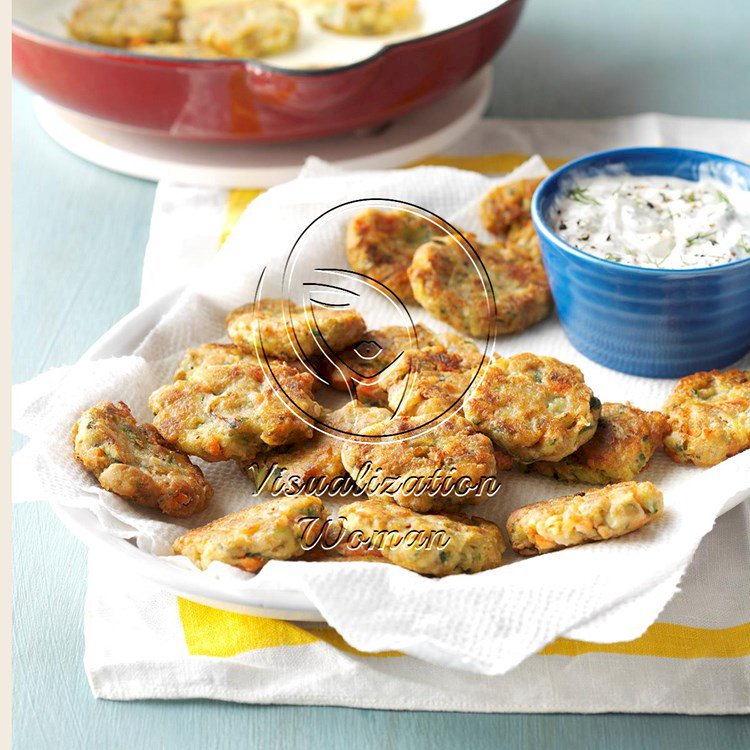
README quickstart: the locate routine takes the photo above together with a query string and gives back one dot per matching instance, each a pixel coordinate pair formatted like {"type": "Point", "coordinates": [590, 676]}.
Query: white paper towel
{"type": "Point", "coordinates": [486, 623]}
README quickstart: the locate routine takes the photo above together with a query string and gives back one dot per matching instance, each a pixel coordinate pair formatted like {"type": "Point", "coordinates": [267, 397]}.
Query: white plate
{"type": "Point", "coordinates": [122, 340]}
{"type": "Point", "coordinates": [423, 132]}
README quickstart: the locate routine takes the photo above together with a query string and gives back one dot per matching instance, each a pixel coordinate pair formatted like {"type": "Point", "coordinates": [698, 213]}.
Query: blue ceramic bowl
{"type": "Point", "coordinates": [646, 321]}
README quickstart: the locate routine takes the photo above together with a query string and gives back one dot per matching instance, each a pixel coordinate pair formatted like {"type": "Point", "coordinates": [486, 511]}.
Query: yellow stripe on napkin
{"type": "Point", "coordinates": [237, 202]}
{"type": "Point", "coordinates": [668, 641]}
{"type": "Point", "coordinates": [215, 632]}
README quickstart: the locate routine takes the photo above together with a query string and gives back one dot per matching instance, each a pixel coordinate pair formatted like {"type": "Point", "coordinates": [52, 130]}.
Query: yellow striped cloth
{"type": "Point", "coordinates": [694, 659]}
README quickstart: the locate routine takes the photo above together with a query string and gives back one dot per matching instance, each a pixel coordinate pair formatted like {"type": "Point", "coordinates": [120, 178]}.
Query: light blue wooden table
{"type": "Point", "coordinates": [79, 235]}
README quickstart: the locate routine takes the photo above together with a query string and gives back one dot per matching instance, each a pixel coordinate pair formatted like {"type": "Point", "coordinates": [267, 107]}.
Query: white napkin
{"type": "Point", "coordinates": [485, 623]}
{"type": "Point", "coordinates": [142, 644]}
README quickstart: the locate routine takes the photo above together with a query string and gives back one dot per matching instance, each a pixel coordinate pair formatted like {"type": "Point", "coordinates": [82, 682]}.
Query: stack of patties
{"type": "Point", "coordinates": [429, 423]}
{"type": "Point", "coordinates": [543, 417]}
{"type": "Point", "coordinates": [480, 289]}
{"type": "Point", "coordinates": [404, 469]}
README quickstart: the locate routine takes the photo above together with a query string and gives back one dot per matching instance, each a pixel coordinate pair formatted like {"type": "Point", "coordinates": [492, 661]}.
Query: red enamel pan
{"type": "Point", "coordinates": [352, 84]}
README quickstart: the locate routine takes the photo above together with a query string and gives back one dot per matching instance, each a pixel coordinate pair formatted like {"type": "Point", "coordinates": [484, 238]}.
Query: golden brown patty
{"type": "Point", "coordinates": [177, 49]}
{"type": "Point", "coordinates": [281, 329]}
{"type": "Point", "coordinates": [430, 545]}
{"type": "Point", "coordinates": [121, 23]}
{"type": "Point", "coordinates": [365, 17]}
{"type": "Point", "coordinates": [508, 205]}
{"type": "Point", "coordinates": [534, 408]}
{"type": "Point", "coordinates": [252, 28]}
{"type": "Point", "coordinates": [623, 444]}
{"type": "Point", "coordinates": [591, 516]}
{"type": "Point", "coordinates": [213, 355]}
{"type": "Point", "coordinates": [312, 466]}
{"type": "Point", "coordinates": [381, 244]}
{"type": "Point", "coordinates": [709, 417]}
{"type": "Point", "coordinates": [374, 352]}
{"type": "Point", "coordinates": [522, 238]}
{"type": "Point", "coordinates": [445, 353]}
{"type": "Point", "coordinates": [425, 381]}
{"type": "Point", "coordinates": [437, 469]}
{"type": "Point", "coordinates": [134, 462]}
{"type": "Point", "coordinates": [447, 284]}
{"type": "Point", "coordinates": [275, 530]}
{"type": "Point", "coordinates": [232, 411]}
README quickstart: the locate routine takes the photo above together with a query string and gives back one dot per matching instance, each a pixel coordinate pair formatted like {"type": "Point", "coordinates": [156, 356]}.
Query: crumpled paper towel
{"type": "Point", "coordinates": [485, 623]}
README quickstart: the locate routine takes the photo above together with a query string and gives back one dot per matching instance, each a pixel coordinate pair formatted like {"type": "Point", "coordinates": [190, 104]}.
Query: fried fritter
{"type": "Point", "coordinates": [374, 352]}
{"type": "Point", "coordinates": [251, 28]}
{"type": "Point", "coordinates": [274, 530]}
{"type": "Point", "coordinates": [534, 408]}
{"type": "Point", "coordinates": [447, 284]}
{"type": "Point", "coordinates": [121, 23]}
{"type": "Point", "coordinates": [429, 545]}
{"type": "Point", "coordinates": [709, 417]}
{"type": "Point", "coordinates": [625, 440]}
{"type": "Point", "coordinates": [444, 353]}
{"type": "Point", "coordinates": [233, 411]}
{"type": "Point", "coordinates": [508, 205]}
{"type": "Point", "coordinates": [212, 355]}
{"type": "Point", "coordinates": [281, 329]}
{"type": "Point", "coordinates": [380, 244]}
{"type": "Point", "coordinates": [591, 516]}
{"type": "Point", "coordinates": [522, 238]}
{"type": "Point", "coordinates": [134, 461]}
{"type": "Point", "coordinates": [365, 17]}
{"type": "Point", "coordinates": [464, 347]}
{"type": "Point", "coordinates": [442, 468]}
{"type": "Point", "coordinates": [425, 381]}
{"type": "Point", "coordinates": [315, 464]}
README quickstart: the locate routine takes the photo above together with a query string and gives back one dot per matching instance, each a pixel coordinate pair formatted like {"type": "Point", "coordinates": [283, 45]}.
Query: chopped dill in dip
{"type": "Point", "coordinates": [655, 222]}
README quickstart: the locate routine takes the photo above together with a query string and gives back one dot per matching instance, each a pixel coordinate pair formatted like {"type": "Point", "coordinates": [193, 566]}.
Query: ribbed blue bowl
{"type": "Point", "coordinates": [646, 321]}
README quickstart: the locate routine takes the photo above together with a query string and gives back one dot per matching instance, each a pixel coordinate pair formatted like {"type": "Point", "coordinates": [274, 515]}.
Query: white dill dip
{"type": "Point", "coordinates": [655, 222]}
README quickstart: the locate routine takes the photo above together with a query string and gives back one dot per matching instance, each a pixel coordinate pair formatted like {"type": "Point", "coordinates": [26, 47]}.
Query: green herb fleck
{"type": "Point", "coordinates": [129, 432]}
{"type": "Point", "coordinates": [581, 195]}
{"type": "Point", "coordinates": [723, 198]}
{"type": "Point", "coordinates": [700, 237]}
